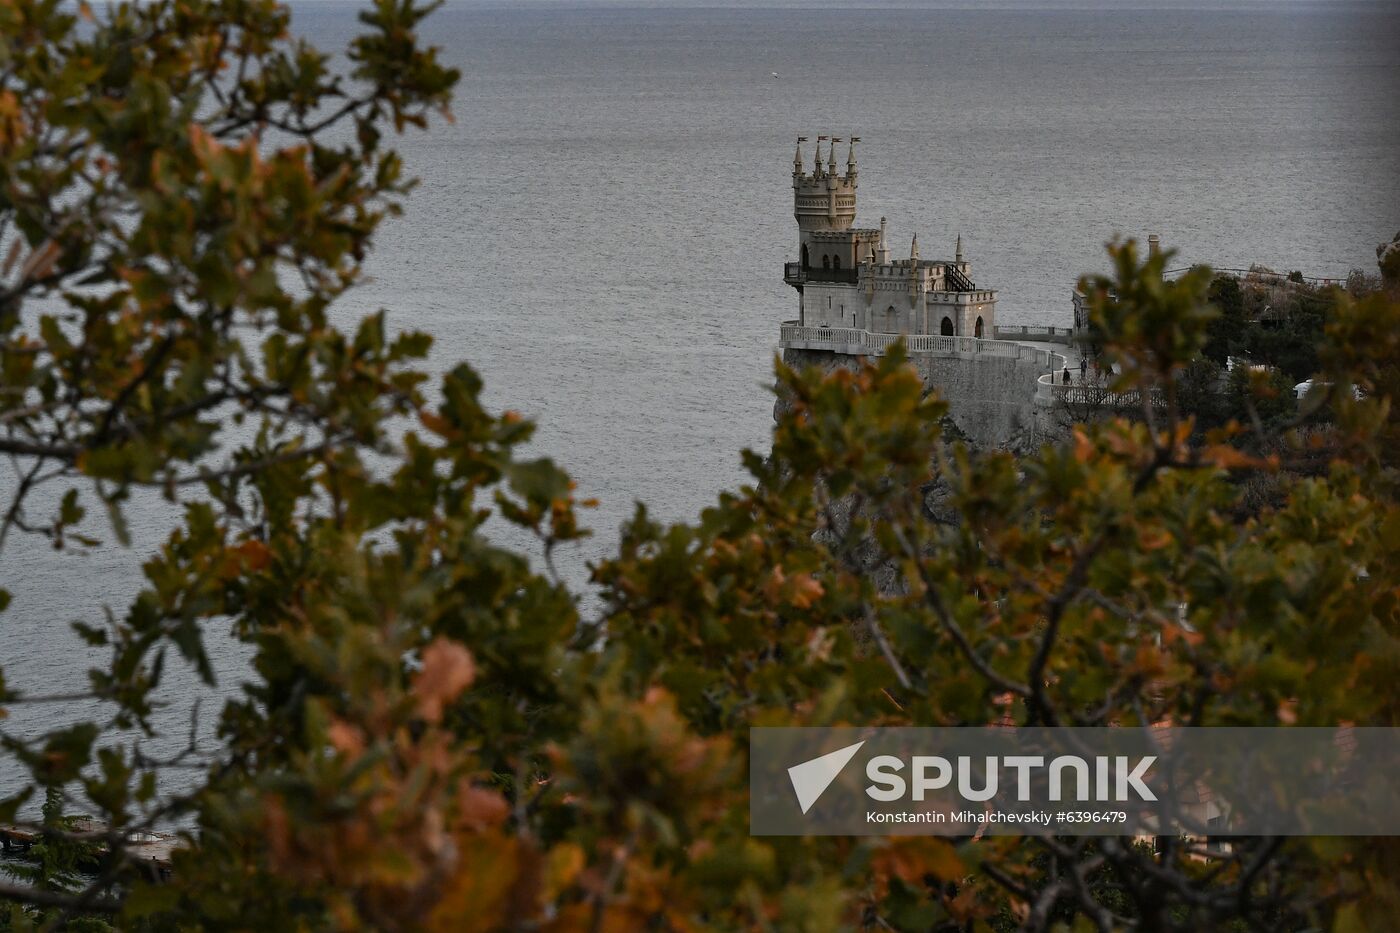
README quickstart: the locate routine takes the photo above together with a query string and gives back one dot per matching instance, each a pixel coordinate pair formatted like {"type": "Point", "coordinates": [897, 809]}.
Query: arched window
{"type": "Point", "coordinates": [947, 328]}
{"type": "Point", "coordinates": [826, 261]}
{"type": "Point", "coordinates": [836, 262]}
{"type": "Point", "coordinates": [977, 330]}
{"type": "Point", "coordinates": [891, 318]}
{"type": "Point", "coordinates": [806, 258]}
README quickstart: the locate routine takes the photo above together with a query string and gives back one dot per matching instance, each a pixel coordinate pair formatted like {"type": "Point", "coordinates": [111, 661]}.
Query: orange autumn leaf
{"type": "Point", "coordinates": [800, 591]}
{"type": "Point", "coordinates": [435, 423]}
{"type": "Point", "coordinates": [1083, 447]}
{"type": "Point", "coordinates": [1231, 458]}
{"type": "Point", "coordinates": [480, 809]}
{"type": "Point", "coordinates": [1148, 661]}
{"type": "Point", "coordinates": [1152, 539]}
{"type": "Point", "coordinates": [255, 555]}
{"type": "Point", "coordinates": [248, 557]}
{"type": "Point", "coordinates": [910, 859]}
{"type": "Point", "coordinates": [490, 888]}
{"type": "Point", "coordinates": [1173, 633]}
{"type": "Point", "coordinates": [774, 587]}
{"type": "Point", "coordinates": [447, 670]}
{"type": "Point", "coordinates": [806, 590]}
{"type": "Point", "coordinates": [346, 738]}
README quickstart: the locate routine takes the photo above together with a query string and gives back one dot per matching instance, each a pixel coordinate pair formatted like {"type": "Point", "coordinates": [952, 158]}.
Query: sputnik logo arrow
{"type": "Point", "coordinates": [811, 778]}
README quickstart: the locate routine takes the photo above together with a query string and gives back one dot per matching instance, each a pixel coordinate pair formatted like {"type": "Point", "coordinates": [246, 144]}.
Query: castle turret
{"type": "Point", "coordinates": [823, 201]}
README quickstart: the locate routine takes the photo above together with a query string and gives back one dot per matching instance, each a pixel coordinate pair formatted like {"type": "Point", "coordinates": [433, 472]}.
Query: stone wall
{"type": "Point", "coordinates": [990, 399]}
{"type": "Point", "coordinates": [889, 311]}
{"type": "Point", "coordinates": [836, 305]}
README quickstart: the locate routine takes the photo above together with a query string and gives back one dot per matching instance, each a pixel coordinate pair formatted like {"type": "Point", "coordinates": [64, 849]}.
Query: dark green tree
{"type": "Point", "coordinates": [1226, 333]}
{"type": "Point", "coordinates": [1291, 339]}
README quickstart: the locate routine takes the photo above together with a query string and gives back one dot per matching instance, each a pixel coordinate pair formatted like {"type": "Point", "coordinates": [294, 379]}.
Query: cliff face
{"type": "Point", "coordinates": [1388, 258]}
{"type": "Point", "coordinates": [991, 400]}
{"type": "Point", "coordinates": [991, 405]}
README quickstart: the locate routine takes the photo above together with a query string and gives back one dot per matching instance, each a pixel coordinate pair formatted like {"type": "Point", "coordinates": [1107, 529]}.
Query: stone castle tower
{"type": "Point", "coordinates": [846, 279]}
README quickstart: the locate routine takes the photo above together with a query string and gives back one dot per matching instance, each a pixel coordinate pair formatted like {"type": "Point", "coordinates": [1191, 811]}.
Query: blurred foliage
{"type": "Point", "coordinates": [433, 735]}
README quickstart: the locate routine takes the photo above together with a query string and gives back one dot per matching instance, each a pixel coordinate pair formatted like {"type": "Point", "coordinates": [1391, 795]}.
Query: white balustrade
{"type": "Point", "coordinates": [1052, 390]}
{"type": "Point", "coordinates": [859, 342]}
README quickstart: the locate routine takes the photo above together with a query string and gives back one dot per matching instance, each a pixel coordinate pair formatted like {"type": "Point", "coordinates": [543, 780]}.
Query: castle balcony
{"type": "Point", "coordinates": [857, 342]}
{"type": "Point", "coordinates": [796, 276]}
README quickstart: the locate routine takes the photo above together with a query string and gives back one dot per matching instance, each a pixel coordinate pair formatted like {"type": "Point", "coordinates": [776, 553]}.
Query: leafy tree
{"type": "Point", "coordinates": [434, 735]}
{"type": "Point", "coordinates": [53, 869]}
{"type": "Point", "coordinates": [1262, 395]}
{"type": "Point", "coordinates": [1225, 333]}
{"type": "Point", "coordinates": [1291, 341]}
{"type": "Point", "coordinates": [1201, 396]}
{"type": "Point", "coordinates": [1278, 325]}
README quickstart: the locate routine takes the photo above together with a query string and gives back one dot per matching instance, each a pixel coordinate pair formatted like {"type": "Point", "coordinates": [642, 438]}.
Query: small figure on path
{"type": "Point", "coordinates": [1065, 376]}
{"type": "Point", "coordinates": [1083, 369]}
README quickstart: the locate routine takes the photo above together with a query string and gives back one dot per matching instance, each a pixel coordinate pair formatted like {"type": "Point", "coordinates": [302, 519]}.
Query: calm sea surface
{"type": "Point", "coordinates": [601, 231]}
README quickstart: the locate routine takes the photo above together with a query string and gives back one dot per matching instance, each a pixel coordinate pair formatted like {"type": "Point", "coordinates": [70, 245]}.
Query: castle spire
{"type": "Point", "coordinates": [797, 159]}
{"type": "Point", "coordinates": [817, 171]}
{"type": "Point", "coordinates": [959, 250]}
{"type": "Point", "coordinates": [831, 156]}
{"type": "Point", "coordinates": [916, 278]}
{"type": "Point", "coordinates": [851, 158]}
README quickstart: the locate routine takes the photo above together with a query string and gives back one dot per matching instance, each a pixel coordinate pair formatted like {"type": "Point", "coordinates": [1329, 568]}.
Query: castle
{"type": "Point", "coordinates": [845, 277]}
{"type": "Point", "coordinates": [854, 300]}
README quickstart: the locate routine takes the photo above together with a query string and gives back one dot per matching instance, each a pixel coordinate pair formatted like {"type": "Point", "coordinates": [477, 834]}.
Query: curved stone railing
{"type": "Point", "coordinates": [1034, 332]}
{"type": "Point", "coordinates": [857, 342]}
{"type": "Point", "coordinates": [1051, 390]}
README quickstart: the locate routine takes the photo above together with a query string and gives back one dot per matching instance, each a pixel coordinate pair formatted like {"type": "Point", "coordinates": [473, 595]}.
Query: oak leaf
{"type": "Point", "coordinates": [447, 670]}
